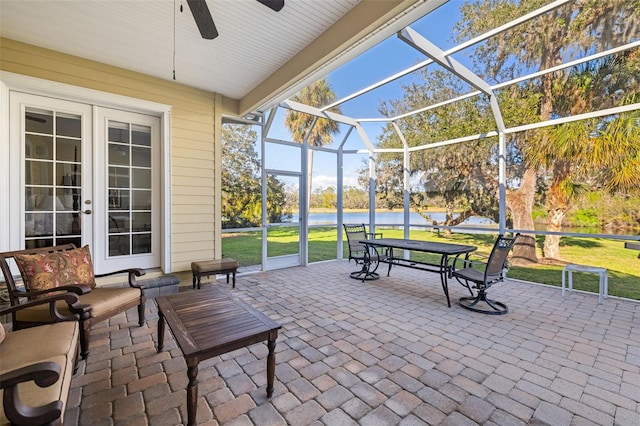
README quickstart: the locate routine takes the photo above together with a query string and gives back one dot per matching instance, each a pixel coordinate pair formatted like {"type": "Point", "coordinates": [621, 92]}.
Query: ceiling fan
{"type": "Point", "coordinates": [204, 21]}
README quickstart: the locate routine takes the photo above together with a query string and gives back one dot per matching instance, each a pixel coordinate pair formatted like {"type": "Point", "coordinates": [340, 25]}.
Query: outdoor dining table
{"type": "Point", "coordinates": [448, 254]}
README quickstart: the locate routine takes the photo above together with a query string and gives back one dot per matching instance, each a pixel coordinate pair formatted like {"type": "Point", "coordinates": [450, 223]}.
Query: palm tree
{"type": "Point", "coordinates": [602, 152]}
{"type": "Point", "coordinates": [317, 94]}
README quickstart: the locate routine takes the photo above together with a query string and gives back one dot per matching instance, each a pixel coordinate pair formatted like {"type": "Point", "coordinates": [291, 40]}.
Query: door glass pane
{"type": "Point", "coordinates": [283, 232]}
{"type": "Point", "coordinates": [118, 154]}
{"type": "Point", "coordinates": [129, 184]}
{"type": "Point", "coordinates": [39, 147]}
{"type": "Point", "coordinates": [68, 125]}
{"type": "Point", "coordinates": [38, 121]}
{"type": "Point", "coordinates": [141, 135]}
{"type": "Point", "coordinates": [141, 157]}
{"type": "Point", "coordinates": [52, 178]}
{"type": "Point", "coordinates": [67, 149]}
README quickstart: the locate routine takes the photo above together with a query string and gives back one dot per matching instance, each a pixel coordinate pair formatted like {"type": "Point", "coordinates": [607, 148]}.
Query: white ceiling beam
{"type": "Point", "coordinates": [365, 138]}
{"type": "Point", "coordinates": [453, 50]}
{"type": "Point", "coordinates": [439, 104]}
{"type": "Point", "coordinates": [585, 116]}
{"type": "Point", "coordinates": [599, 55]}
{"type": "Point", "coordinates": [317, 112]}
{"type": "Point", "coordinates": [507, 26]}
{"type": "Point", "coordinates": [379, 83]}
{"type": "Point", "coordinates": [569, 64]}
{"type": "Point", "coordinates": [418, 42]}
{"type": "Point", "coordinates": [454, 141]}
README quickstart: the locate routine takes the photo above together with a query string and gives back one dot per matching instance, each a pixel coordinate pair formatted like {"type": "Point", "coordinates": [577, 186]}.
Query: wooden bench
{"type": "Point", "coordinates": [211, 267]}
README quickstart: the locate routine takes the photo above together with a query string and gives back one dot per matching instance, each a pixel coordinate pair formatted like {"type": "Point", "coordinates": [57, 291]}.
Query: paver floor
{"type": "Point", "coordinates": [385, 352]}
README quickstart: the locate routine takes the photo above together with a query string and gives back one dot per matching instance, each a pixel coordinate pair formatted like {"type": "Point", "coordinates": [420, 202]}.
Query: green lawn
{"type": "Point", "coordinates": [622, 264]}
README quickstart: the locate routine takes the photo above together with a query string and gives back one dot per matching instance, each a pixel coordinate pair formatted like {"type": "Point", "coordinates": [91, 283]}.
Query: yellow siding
{"type": "Point", "coordinates": [195, 149]}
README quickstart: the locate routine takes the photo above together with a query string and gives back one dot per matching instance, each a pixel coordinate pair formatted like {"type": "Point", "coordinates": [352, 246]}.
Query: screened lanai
{"type": "Point", "coordinates": [545, 125]}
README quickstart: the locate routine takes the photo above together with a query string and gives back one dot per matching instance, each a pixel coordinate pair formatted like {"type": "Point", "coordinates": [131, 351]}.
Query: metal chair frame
{"type": "Point", "coordinates": [482, 275]}
{"type": "Point", "coordinates": [367, 257]}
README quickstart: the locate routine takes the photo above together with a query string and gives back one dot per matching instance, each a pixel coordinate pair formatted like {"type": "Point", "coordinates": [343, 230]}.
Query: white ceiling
{"type": "Point", "coordinates": [138, 35]}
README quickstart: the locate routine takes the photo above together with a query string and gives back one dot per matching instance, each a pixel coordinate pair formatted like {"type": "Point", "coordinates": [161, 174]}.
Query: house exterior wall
{"type": "Point", "coordinates": [195, 138]}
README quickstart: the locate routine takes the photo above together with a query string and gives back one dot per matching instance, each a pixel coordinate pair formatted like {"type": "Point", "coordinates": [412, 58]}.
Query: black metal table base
{"type": "Point", "coordinates": [364, 275]}
{"type": "Point", "coordinates": [490, 307]}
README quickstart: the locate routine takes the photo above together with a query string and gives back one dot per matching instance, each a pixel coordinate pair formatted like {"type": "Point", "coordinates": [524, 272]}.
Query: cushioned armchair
{"type": "Point", "coordinates": [68, 268]}
{"type": "Point", "coordinates": [37, 364]}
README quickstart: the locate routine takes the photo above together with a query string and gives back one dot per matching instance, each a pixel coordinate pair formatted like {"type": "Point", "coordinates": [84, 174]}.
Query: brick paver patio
{"type": "Point", "coordinates": [385, 352]}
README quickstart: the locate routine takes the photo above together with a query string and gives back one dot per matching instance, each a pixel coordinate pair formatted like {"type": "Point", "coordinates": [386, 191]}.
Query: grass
{"type": "Point", "coordinates": [622, 264]}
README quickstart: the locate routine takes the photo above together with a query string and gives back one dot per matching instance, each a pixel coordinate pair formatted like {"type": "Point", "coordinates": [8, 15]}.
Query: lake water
{"type": "Point", "coordinates": [397, 218]}
{"type": "Point", "coordinates": [386, 218]}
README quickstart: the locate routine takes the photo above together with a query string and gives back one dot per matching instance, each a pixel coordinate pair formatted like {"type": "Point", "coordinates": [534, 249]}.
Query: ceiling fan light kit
{"type": "Point", "coordinates": [204, 21]}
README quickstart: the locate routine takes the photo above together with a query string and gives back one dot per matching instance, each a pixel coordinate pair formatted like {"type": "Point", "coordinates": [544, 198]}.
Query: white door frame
{"type": "Point", "coordinates": [289, 260]}
{"type": "Point", "coordinates": [36, 86]}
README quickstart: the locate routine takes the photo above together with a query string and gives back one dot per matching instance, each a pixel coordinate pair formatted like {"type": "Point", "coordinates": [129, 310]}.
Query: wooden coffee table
{"type": "Point", "coordinates": [209, 323]}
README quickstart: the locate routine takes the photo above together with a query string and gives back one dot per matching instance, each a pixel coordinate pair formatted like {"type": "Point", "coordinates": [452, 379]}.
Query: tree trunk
{"type": "Point", "coordinates": [520, 204]}
{"type": "Point", "coordinates": [551, 247]}
{"type": "Point", "coordinates": [557, 207]}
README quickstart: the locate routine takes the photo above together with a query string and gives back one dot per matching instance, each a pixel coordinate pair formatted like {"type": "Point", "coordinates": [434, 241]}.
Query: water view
{"type": "Point", "coordinates": [397, 218]}
{"type": "Point", "coordinates": [386, 218]}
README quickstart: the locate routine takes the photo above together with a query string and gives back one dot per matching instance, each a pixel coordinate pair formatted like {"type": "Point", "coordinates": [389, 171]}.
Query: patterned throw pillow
{"type": "Point", "coordinates": [2, 333]}
{"type": "Point", "coordinates": [49, 270]}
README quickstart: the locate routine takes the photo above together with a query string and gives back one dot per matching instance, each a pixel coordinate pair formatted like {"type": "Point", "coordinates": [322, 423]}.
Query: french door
{"type": "Point", "coordinates": [85, 175]}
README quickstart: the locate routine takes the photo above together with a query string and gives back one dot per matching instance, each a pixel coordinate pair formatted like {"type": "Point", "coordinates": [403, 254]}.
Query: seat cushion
{"type": "Point", "coordinates": [36, 344]}
{"type": "Point", "coordinates": [105, 299]}
{"type": "Point", "coordinates": [101, 300]}
{"type": "Point", "coordinates": [43, 271]}
{"type": "Point", "coordinates": [57, 343]}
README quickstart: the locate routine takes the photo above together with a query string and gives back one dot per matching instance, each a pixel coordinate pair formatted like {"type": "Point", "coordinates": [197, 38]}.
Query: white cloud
{"type": "Point", "coordinates": [325, 181]}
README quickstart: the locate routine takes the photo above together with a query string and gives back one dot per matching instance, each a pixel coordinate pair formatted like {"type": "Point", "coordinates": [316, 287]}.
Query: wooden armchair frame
{"type": "Point", "coordinates": [87, 318]}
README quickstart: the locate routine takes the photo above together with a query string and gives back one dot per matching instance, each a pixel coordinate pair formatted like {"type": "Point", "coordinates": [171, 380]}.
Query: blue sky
{"type": "Point", "coordinates": [379, 62]}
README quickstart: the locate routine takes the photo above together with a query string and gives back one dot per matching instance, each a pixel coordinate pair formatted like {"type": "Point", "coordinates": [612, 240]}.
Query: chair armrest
{"type": "Point", "coordinates": [374, 235]}
{"type": "Point", "coordinates": [70, 298]}
{"type": "Point", "coordinates": [132, 272]}
{"type": "Point", "coordinates": [43, 374]}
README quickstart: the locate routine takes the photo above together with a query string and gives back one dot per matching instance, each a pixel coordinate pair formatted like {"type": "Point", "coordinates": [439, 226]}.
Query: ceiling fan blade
{"type": "Point", "coordinates": [202, 16]}
{"type": "Point", "coordinates": [275, 5]}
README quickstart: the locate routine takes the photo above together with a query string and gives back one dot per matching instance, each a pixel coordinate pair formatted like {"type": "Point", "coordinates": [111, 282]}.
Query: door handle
{"type": "Point", "coordinates": [87, 211]}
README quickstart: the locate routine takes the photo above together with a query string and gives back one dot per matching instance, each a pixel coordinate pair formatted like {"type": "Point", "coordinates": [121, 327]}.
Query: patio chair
{"type": "Point", "coordinates": [482, 275]}
{"type": "Point", "coordinates": [39, 268]}
{"type": "Point", "coordinates": [37, 364]}
{"type": "Point", "coordinates": [367, 257]}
